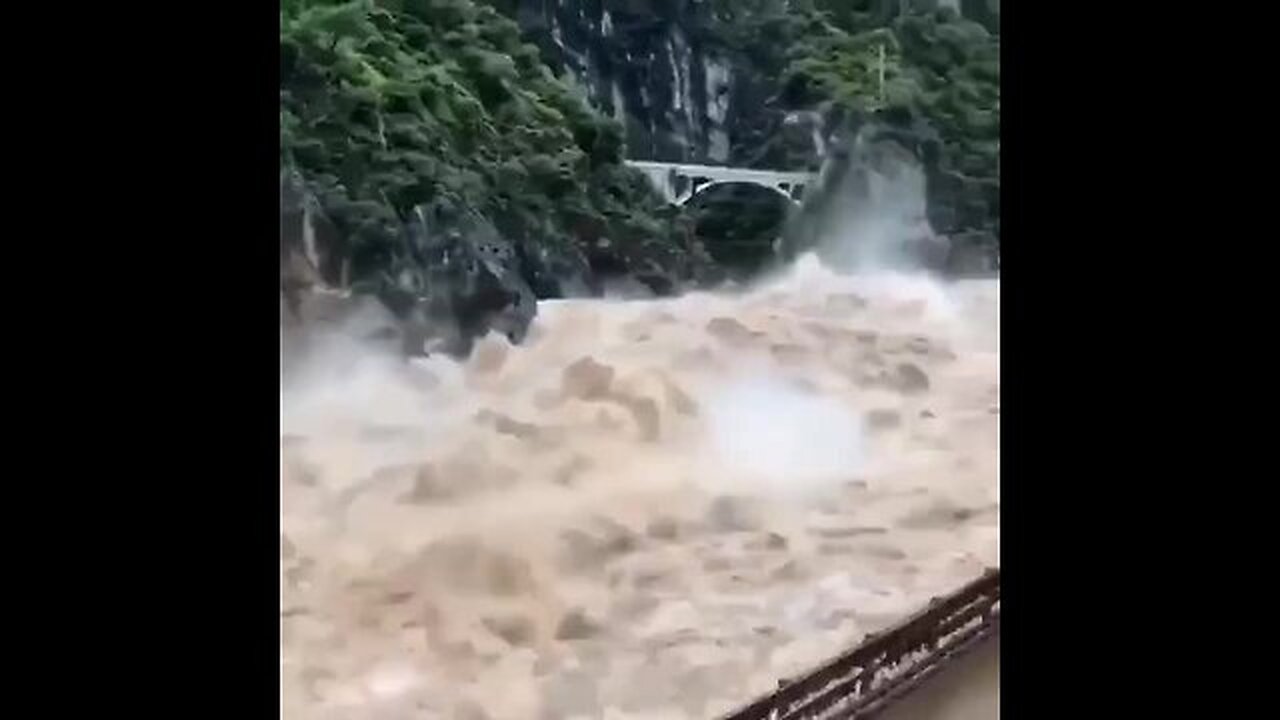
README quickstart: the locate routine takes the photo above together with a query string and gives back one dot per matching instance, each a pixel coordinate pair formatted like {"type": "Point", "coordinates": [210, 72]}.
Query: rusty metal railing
{"type": "Point", "coordinates": [886, 665]}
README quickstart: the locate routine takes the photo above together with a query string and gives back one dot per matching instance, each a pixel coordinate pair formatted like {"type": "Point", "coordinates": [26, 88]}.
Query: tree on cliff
{"type": "Point", "coordinates": [870, 61]}
{"type": "Point", "coordinates": [392, 110]}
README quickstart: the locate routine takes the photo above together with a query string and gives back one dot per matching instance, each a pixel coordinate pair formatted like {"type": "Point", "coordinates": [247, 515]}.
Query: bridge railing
{"type": "Point", "coordinates": [666, 176]}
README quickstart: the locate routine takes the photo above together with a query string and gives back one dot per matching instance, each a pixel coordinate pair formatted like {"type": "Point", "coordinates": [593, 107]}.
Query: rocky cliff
{"type": "Point", "coordinates": [767, 83]}
{"type": "Point", "coordinates": [678, 74]}
{"type": "Point", "coordinates": [429, 157]}
{"type": "Point", "coordinates": [668, 71]}
{"type": "Point", "coordinates": [458, 158]}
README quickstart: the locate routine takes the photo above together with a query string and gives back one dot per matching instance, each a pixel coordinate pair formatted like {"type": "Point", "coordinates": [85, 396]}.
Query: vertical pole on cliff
{"type": "Point", "coordinates": [882, 74]}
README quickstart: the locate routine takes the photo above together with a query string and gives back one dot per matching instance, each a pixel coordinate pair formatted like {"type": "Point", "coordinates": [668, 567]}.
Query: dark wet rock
{"type": "Point", "coordinates": [557, 270]}
{"type": "Point", "coordinates": [953, 215]}
{"type": "Point", "coordinates": [930, 251]}
{"type": "Point", "coordinates": [460, 280]}
{"type": "Point", "coordinates": [467, 281]}
{"type": "Point", "coordinates": [973, 254]}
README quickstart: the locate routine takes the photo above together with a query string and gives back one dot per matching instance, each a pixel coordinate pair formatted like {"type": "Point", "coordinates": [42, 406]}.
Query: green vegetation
{"type": "Point", "coordinates": [861, 59]}
{"type": "Point", "coordinates": [396, 111]}
{"type": "Point", "coordinates": [390, 106]}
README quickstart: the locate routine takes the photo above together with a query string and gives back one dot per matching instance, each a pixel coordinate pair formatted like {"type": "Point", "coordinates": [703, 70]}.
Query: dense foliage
{"type": "Point", "coordinates": [866, 59]}
{"type": "Point", "coordinates": [396, 110]}
{"type": "Point", "coordinates": [390, 107]}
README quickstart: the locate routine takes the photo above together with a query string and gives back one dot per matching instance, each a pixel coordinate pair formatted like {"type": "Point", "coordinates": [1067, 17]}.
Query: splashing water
{"type": "Point", "coordinates": [651, 509]}
{"type": "Point", "coordinates": [772, 438]}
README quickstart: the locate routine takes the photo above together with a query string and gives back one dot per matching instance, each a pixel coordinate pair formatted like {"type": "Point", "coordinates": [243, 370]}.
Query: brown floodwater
{"type": "Point", "coordinates": [650, 509]}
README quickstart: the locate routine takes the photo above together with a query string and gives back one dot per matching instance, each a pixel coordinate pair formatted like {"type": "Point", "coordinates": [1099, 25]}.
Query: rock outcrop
{"type": "Point", "coordinates": [689, 84]}
{"type": "Point", "coordinates": [473, 283]}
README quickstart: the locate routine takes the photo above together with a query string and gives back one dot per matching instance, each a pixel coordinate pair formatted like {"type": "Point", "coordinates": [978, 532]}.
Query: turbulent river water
{"type": "Point", "coordinates": [650, 509]}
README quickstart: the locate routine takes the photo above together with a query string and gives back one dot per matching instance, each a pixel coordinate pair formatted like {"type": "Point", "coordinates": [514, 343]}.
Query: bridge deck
{"type": "Point", "coordinates": [679, 182]}
{"type": "Point", "coordinates": [723, 173]}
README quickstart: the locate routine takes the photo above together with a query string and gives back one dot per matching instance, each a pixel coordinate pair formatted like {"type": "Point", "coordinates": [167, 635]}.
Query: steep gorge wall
{"type": "Point", "coordinates": [705, 81]}
{"type": "Point", "coordinates": [654, 66]}
{"type": "Point", "coordinates": [665, 70]}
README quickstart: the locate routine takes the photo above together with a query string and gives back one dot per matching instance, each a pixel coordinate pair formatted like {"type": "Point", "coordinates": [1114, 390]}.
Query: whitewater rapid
{"type": "Point", "coordinates": [650, 509]}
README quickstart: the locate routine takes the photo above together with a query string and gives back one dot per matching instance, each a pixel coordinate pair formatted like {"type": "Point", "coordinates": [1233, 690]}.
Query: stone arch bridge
{"type": "Point", "coordinates": [679, 182]}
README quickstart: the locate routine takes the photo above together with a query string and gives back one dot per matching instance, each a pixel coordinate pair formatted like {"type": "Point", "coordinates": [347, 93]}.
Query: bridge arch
{"type": "Point", "coordinates": [788, 191]}
{"type": "Point", "coordinates": [679, 183]}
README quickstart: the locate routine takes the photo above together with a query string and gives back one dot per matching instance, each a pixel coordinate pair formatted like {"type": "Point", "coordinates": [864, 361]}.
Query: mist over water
{"type": "Point", "coordinates": [652, 508]}
{"type": "Point", "coordinates": [775, 438]}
